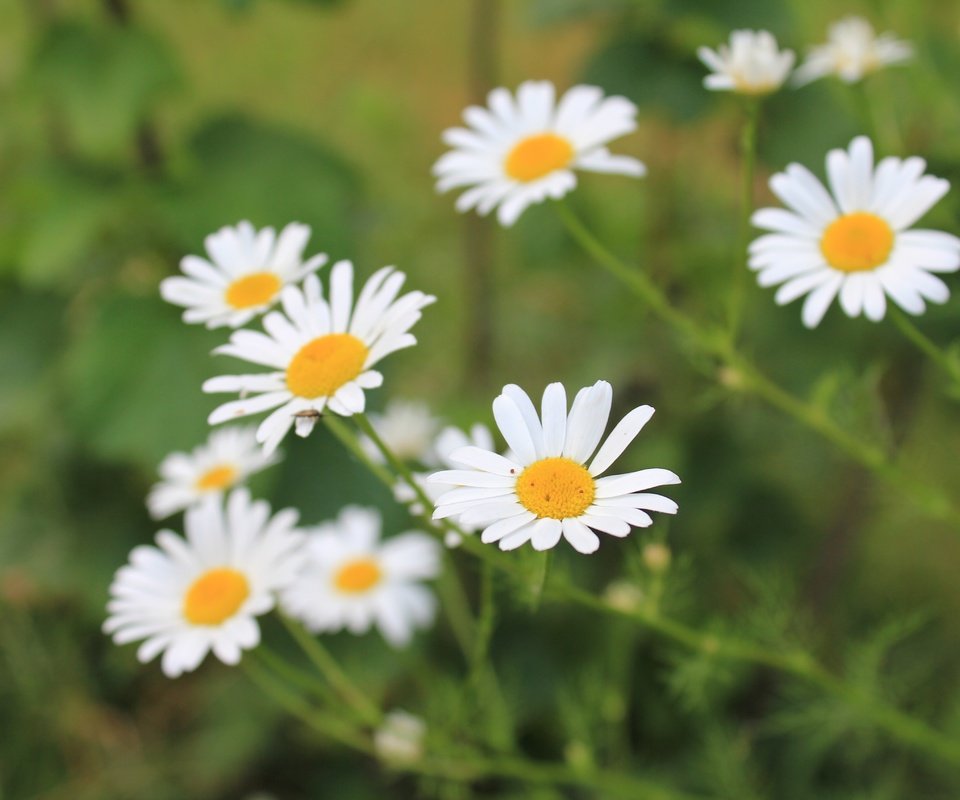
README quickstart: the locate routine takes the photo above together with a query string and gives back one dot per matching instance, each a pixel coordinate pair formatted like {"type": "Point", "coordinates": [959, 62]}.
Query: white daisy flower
{"type": "Point", "coordinates": [854, 242]}
{"type": "Point", "coordinates": [228, 458]}
{"type": "Point", "coordinates": [521, 150]}
{"type": "Point", "coordinates": [450, 439]}
{"type": "Point", "coordinates": [751, 64]}
{"type": "Point", "coordinates": [189, 596]}
{"type": "Point", "coordinates": [351, 580]}
{"type": "Point", "coordinates": [248, 270]}
{"type": "Point", "coordinates": [323, 351]}
{"type": "Point", "coordinates": [547, 488]}
{"type": "Point", "coordinates": [407, 427]}
{"type": "Point", "coordinates": [852, 52]}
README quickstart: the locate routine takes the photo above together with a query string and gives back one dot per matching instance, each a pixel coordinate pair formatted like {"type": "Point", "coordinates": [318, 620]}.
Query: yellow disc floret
{"type": "Point", "coordinates": [558, 488]}
{"type": "Point", "coordinates": [215, 596]}
{"type": "Point", "coordinates": [255, 289]}
{"type": "Point", "coordinates": [358, 576]}
{"type": "Point", "coordinates": [857, 242]}
{"type": "Point", "coordinates": [538, 155]}
{"type": "Point", "coordinates": [216, 478]}
{"type": "Point", "coordinates": [325, 364]}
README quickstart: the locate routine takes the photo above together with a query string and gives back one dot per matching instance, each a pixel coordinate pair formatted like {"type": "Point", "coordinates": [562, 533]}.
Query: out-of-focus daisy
{"type": "Point", "coordinates": [450, 439]}
{"type": "Point", "coordinates": [353, 580]}
{"type": "Point", "coordinates": [399, 739]}
{"type": "Point", "coordinates": [244, 275]}
{"type": "Point", "coordinates": [523, 149]}
{"type": "Point", "coordinates": [751, 64]}
{"type": "Point", "coordinates": [407, 427]}
{"type": "Point", "coordinates": [323, 350]}
{"type": "Point", "coordinates": [855, 242]}
{"type": "Point", "coordinates": [547, 488]}
{"type": "Point", "coordinates": [187, 597]}
{"type": "Point", "coordinates": [229, 457]}
{"type": "Point", "coordinates": [853, 51]}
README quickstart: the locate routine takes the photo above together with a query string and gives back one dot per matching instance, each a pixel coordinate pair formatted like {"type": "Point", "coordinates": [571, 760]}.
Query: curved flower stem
{"type": "Point", "coordinates": [742, 374]}
{"type": "Point", "coordinates": [481, 645]}
{"type": "Point", "coordinates": [748, 156]}
{"type": "Point", "coordinates": [331, 670]}
{"type": "Point", "coordinates": [925, 344]}
{"type": "Point", "coordinates": [796, 663]}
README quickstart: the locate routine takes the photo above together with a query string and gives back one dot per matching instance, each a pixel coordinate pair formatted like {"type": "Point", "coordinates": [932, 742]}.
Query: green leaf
{"type": "Point", "coordinates": [103, 80]}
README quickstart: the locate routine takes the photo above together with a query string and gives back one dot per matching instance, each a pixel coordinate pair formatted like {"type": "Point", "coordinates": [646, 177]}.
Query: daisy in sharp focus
{"type": "Point", "coordinates": [523, 148]}
{"type": "Point", "coordinates": [322, 351]}
{"type": "Point", "coordinates": [229, 457]}
{"type": "Point", "coordinates": [188, 596]}
{"type": "Point", "coordinates": [244, 275]}
{"type": "Point", "coordinates": [751, 64]}
{"type": "Point", "coordinates": [550, 486]}
{"type": "Point", "coordinates": [855, 240]}
{"type": "Point", "coordinates": [853, 51]}
{"type": "Point", "coordinates": [352, 580]}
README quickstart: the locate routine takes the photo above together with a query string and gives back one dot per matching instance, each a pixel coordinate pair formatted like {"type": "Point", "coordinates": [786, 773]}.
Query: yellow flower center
{"type": "Point", "coordinates": [556, 487]}
{"type": "Point", "coordinates": [358, 576]}
{"type": "Point", "coordinates": [857, 242]}
{"type": "Point", "coordinates": [538, 155]}
{"type": "Point", "coordinates": [216, 478]}
{"type": "Point", "coordinates": [255, 289]}
{"type": "Point", "coordinates": [215, 596]}
{"type": "Point", "coordinates": [323, 365]}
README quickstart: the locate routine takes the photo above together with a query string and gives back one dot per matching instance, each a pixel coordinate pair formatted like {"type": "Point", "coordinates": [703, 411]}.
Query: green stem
{"type": "Point", "coordinates": [746, 376]}
{"type": "Point", "coordinates": [748, 155]}
{"type": "Point", "coordinates": [326, 724]}
{"type": "Point", "coordinates": [330, 669]}
{"type": "Point", "coordinates": [925, 344]}
{"type": "Point", "coordinates": [485, 623]}
{"type": "Point", "coordinates": [340, 430]}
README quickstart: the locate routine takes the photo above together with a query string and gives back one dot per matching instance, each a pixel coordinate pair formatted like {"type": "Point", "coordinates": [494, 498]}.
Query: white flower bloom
{"type": "Point", "coordinates": [547, 489]}
{"type": "Point", "coordinates": [249, 269]}
{"type": "Point", "coordinates": [187, 597]}
{"type": "Point", "coordinates": [854, 242]}
{"type": "Point", "coordinates": [852, 52]}
{"type": "Point", "coordinates": [523, 149]}
{"type": "Point", "coordinates": [450, 439]}
{"type": "Point", "coordinates": [751, 64]}
{"type": "Point", "coordinates": [323, 351]}
{"type": "Point", "coordinates": [407, 427]}
{"type": "Point", "coordinates": [351, 580]}
{"type": "Point", "coordinates": [228, 458]}
{"type": "Point", "coordinates": [399, 739]}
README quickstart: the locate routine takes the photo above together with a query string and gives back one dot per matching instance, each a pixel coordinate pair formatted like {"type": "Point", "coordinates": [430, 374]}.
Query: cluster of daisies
{"type": "Point", "coordinates": [317, 351]}
{"type": "Point", "coordinates": [201, 592]}
{"type": "Point", "coordinates": [852, 239]}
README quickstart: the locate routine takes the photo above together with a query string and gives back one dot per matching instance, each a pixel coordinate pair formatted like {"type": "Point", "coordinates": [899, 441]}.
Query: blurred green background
{"type": "Point", "coordinates": [132, 128]}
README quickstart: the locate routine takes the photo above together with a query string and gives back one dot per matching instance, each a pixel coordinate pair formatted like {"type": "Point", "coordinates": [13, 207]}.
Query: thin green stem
{"type": "Point", "coordinates": [925, 344]}
{"type": "Point", "coordinates": [742, 374]}
{"type": "Point", "coordinates": [748, 160]}
{"type": "Point", "coordinates": [331, 670]}
{"type": "Point", "coordinates": [327, 724]}
{"type": "Point", "coordinates": [342, 432]}
{"type": "Point", "coordinates": [485, 623]}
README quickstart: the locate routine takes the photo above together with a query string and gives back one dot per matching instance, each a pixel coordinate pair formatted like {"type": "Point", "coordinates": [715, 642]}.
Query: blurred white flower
{"type": "Point", "coordinates": [323, 351]}
{"type": "Point", "coordinates": [751, 64]}
{"type": "Point", "coordinates": [853, 51]}
{"type": "Point", "coordinates": [522, 149]}
{"type": "Point", "coordinates": [228, 457]}
{"type": "Point", "coordinates": [187, 597]}
{"type": "Point", "coordinates": [854, 242]}
{"type": "Point", "coordinates": [399, 739]}
{"type": "Point", "coordinates": [244, 276]}
{"type": "Point", "coordinates": [407, 427]}
{"type": "Point", "coordinates": [546, 489]}
{"type": "Point", "coordinates": [353, 580]}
